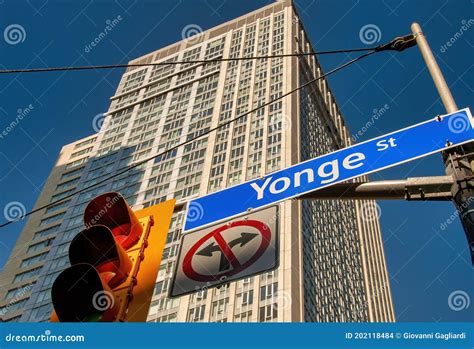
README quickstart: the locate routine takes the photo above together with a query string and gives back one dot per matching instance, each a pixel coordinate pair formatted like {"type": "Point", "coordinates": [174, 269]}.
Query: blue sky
{"type": "Point", "coordinates": [426, 263]}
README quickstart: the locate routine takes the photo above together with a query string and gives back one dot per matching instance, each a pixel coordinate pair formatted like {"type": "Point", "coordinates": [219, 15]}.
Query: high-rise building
{"type": "Point", "coordinates": [332, 264]}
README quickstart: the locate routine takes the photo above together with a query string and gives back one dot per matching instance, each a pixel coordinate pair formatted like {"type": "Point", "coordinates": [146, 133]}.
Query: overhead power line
{"type": "Point", "coordinates": [104, 180]}
{"type": "Point", "coordinates": [199, 61]}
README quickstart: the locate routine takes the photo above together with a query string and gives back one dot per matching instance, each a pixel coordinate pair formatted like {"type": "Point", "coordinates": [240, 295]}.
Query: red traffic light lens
{"type": "Point", "coordinates": [97, 246]}
{"type": "Point", "coordinates": [111, 210]}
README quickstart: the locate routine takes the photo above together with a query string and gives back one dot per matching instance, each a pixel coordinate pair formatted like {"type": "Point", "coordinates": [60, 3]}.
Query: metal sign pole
{"type": "Point", "coordinates": [460, 160]}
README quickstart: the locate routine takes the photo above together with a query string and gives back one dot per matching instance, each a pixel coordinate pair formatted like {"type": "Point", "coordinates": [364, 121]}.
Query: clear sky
{"type": "Point", "coordinates": [426, 249]}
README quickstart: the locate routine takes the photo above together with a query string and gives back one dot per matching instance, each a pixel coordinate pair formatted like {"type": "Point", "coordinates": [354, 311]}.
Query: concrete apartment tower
{"type": "Point", "coordinates": [332, 265]}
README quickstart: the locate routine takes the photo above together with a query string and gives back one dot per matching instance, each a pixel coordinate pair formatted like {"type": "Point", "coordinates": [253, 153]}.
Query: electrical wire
{"type": "Point", "coordinates": [202, 61]}
{"type": "Point", "coordinates": [104, 180]}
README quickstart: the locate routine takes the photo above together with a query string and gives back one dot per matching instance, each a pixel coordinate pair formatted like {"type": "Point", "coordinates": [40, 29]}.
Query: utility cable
{"type": "Point", "coordinates": [104, 180]}
{"type": "Point", "coordinates": [201, 61]}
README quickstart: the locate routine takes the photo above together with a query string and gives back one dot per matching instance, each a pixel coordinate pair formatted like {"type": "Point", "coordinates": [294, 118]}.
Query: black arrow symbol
{"type": "Point", "coordinates": [242, 240]}
{"type": "Point", "coordinates": [224, 263]}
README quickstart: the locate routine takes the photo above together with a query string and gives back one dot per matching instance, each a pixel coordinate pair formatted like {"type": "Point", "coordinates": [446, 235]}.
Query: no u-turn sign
{"type": "Point", "coordinates": [245, 246]}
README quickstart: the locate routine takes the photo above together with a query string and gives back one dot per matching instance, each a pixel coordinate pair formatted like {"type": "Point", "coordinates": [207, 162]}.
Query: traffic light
{"type": "Point", "coordinates": [114, 262]}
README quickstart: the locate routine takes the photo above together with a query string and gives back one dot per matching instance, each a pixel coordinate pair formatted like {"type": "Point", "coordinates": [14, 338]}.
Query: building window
{"type": "Point", "coordinates": [219, 307]}
{"type": "Point", "coordinates": [11, 307]}
{"type": "Point", "coordinates": [35, 259]}
{"type": "Point", "coordinates": [243, 317]}
{"type": "Point", "coordinates": [196, 314]}
{"type": "Point", "coordinates": [44, 295]}
{"type": "Point", "coordinates": [245, 298]}
{"type": "Point", "coordinates": [39, 313]}
{"type": "Point", "coordinates": [45, 232]}
{"type": "Point", "coordinates": [268, 312]}
{"type": "Point", "coordinates": [268, 291]}
{"type": "Point", "coordinates": [72, 173]}
{"type": "Point", "coordinates": [19, 292]}
{"type": "Point", "coordinates": [84, 143]}
{"type": "Point", "coordinates": [40, 245]}
{"type": "Point", "coordinates": [51, 219]}
{"type": "Point", "coordinates": [58, 206]}
{"type": "Point", "coordinates": [27, 274]}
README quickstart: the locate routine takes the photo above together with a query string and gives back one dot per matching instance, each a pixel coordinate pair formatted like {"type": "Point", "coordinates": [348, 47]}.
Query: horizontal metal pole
{"type": "Point", "coordinates": [416, 188]}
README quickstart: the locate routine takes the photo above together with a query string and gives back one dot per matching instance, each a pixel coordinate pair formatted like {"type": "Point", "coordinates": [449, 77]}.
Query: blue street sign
{"type": "Point", "coordinates": [367, 157]}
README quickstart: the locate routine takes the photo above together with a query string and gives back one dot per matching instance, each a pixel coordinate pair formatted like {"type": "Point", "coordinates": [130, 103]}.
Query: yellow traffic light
{"type": "Point", "coordinates": [114, 262]}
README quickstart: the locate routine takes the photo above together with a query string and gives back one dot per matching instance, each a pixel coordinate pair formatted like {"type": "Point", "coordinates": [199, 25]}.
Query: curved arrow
{"type": "Point", "coordinates": [207, 251]}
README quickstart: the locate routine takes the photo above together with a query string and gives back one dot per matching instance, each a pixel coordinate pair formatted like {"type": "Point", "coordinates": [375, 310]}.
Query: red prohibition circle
{"type": "Point", "coordinates": [187, 261]}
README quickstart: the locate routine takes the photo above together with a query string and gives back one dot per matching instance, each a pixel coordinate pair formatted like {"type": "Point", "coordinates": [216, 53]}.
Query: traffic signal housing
{"type": "Point", "coordinates": [114, 262]}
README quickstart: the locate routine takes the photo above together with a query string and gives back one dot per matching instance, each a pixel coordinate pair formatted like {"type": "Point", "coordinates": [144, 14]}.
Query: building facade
{"type": "Point", "coordinates": [332, 264]}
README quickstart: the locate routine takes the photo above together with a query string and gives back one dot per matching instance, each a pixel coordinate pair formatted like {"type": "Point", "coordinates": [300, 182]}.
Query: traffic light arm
{"type": "Point", "coordinates": [436, 188]}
